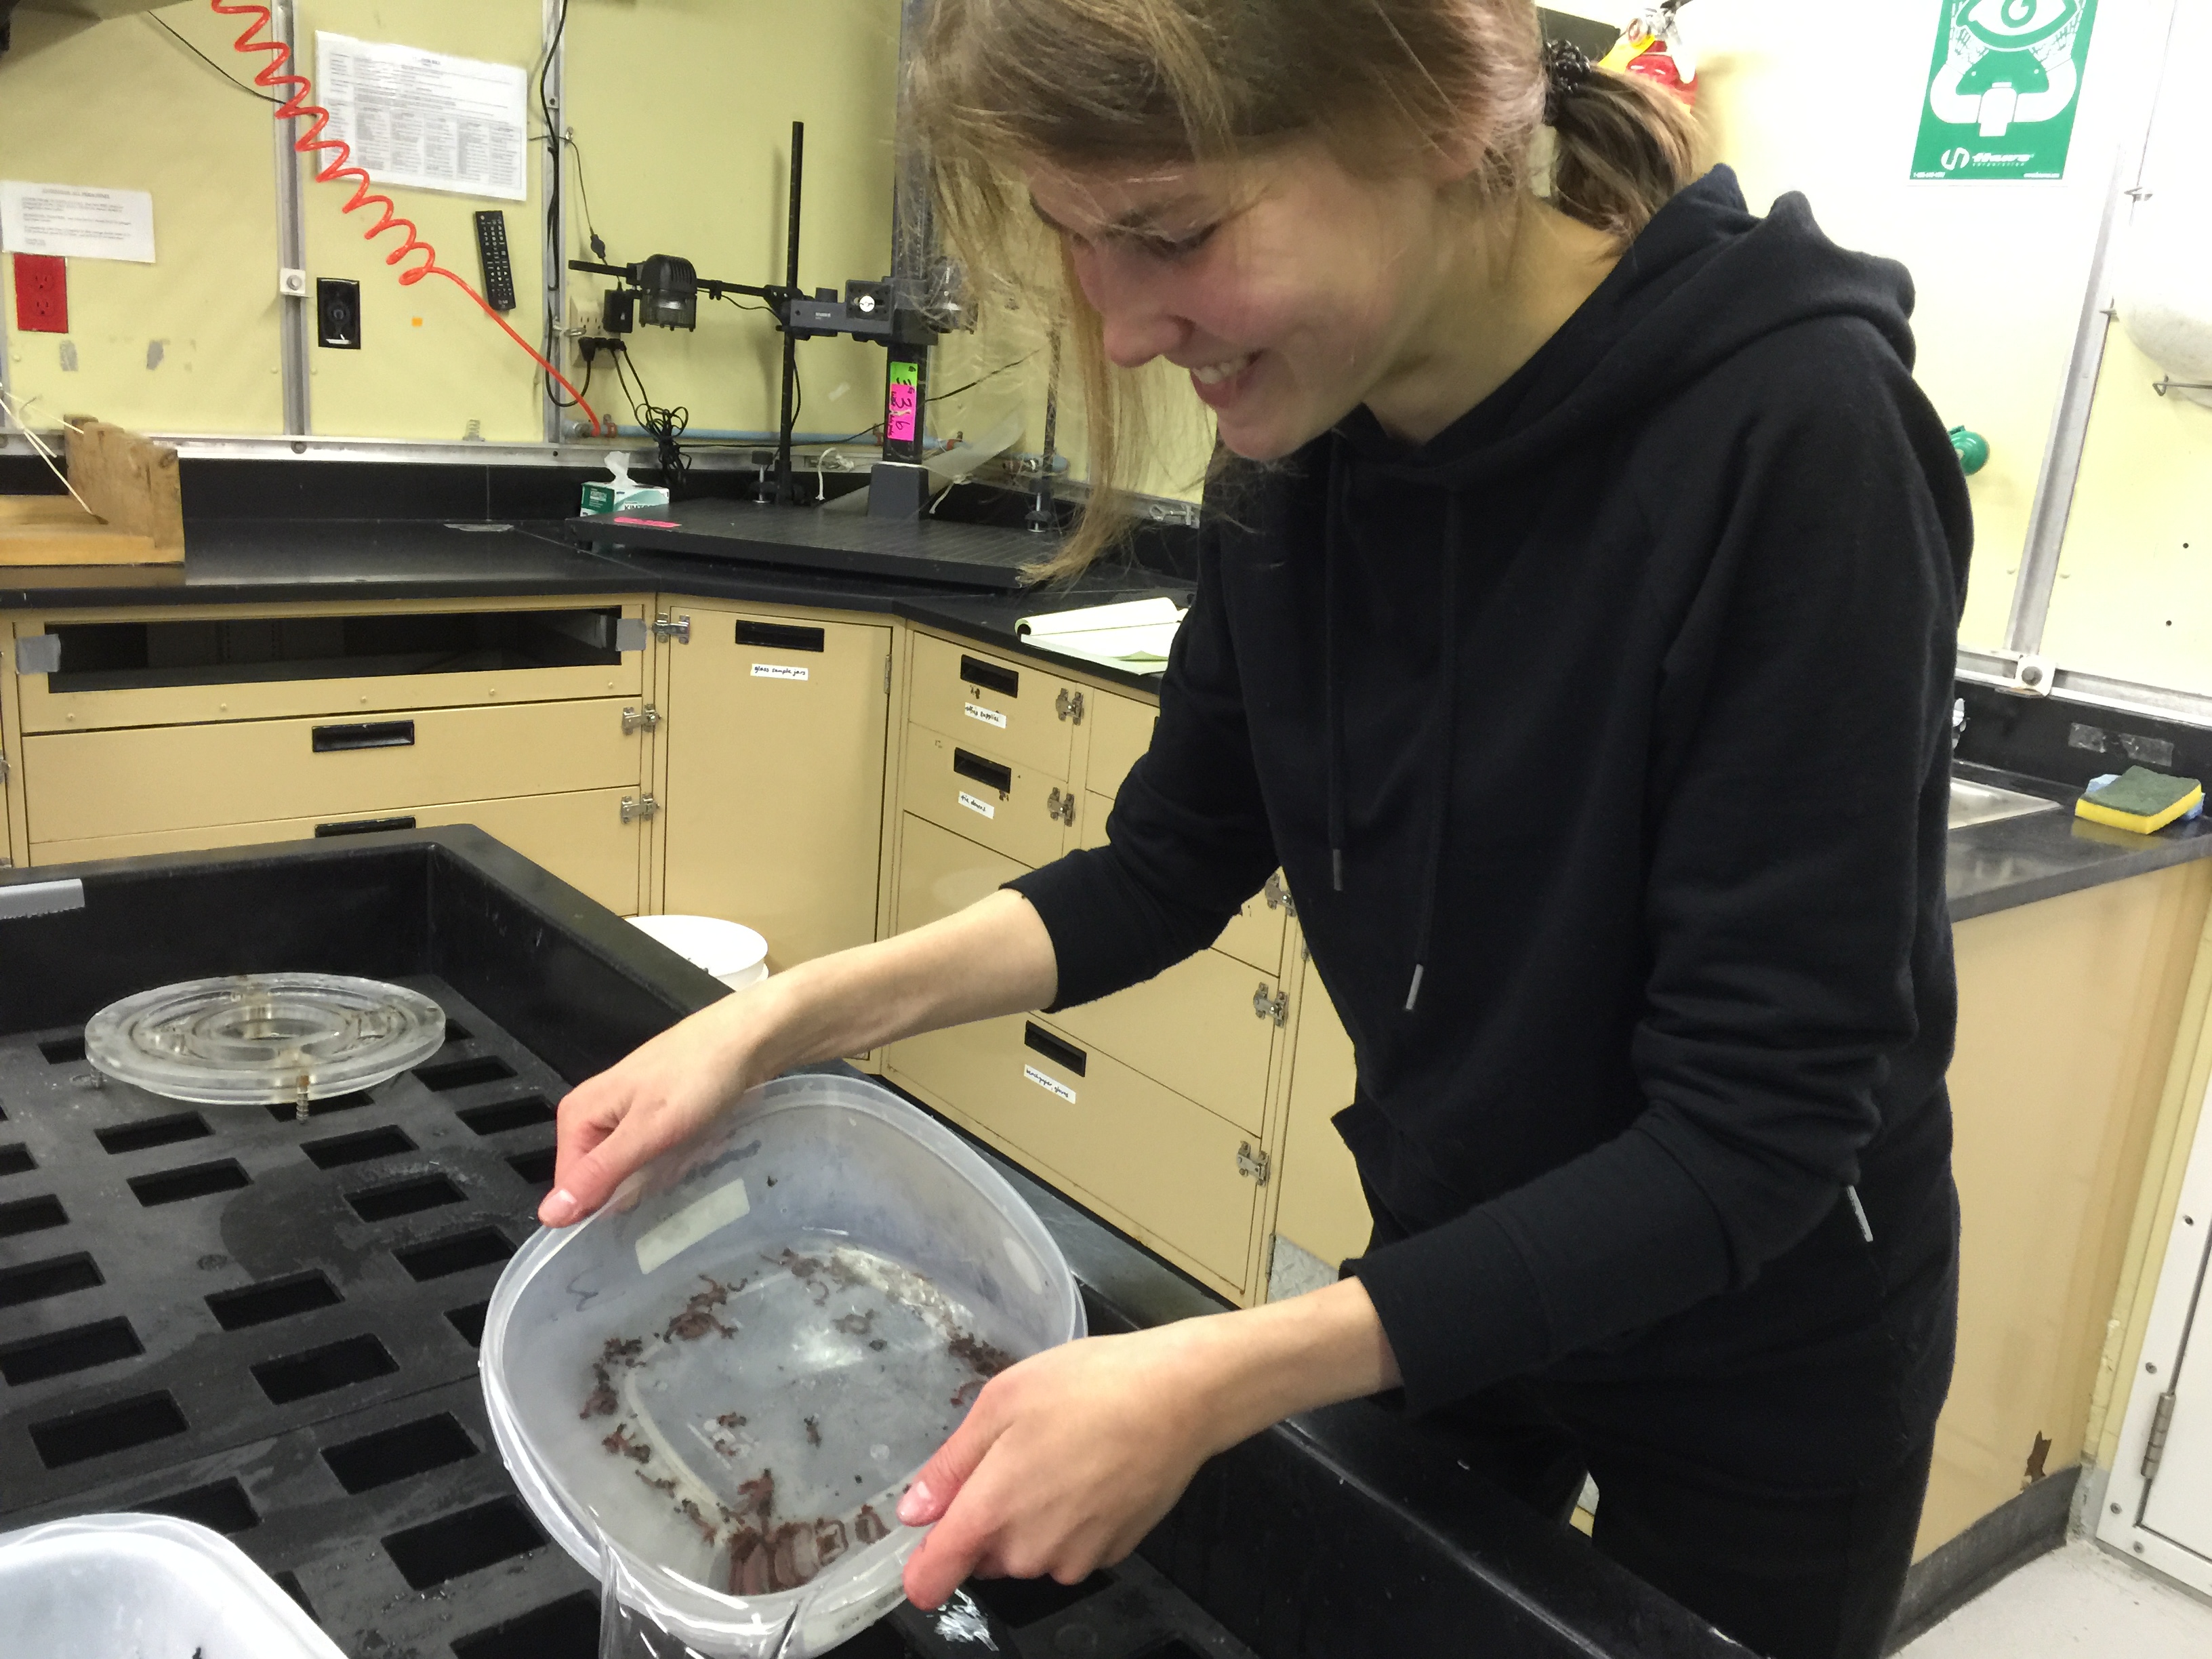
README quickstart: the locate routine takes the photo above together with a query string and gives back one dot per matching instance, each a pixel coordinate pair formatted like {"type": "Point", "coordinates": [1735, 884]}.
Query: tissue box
{"type": "Point", "coordinates": [612, 498]}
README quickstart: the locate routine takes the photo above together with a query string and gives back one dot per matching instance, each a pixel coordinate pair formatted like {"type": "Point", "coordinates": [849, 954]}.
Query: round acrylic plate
{"type": "Point", "coordinates": [253, 1039]}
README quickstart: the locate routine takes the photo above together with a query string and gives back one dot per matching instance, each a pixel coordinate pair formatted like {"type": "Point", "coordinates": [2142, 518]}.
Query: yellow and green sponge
{"type": "Point", "coordinates": [2141, 800]}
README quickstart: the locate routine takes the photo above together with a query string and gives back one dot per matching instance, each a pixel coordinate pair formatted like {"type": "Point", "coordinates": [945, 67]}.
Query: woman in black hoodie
{"type": "Point", "coordinates": [1575, 630]}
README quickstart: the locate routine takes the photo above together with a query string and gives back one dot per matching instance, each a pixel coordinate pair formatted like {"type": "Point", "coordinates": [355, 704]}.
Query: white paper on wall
{"type": "Point", "coordinates": [76, 220]}
{"type": "Point", "coordinates": [426, 119]}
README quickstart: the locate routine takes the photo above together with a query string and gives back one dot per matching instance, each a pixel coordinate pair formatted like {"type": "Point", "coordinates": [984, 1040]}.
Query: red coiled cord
{"type": "Point", "coordinates": [273, 74]}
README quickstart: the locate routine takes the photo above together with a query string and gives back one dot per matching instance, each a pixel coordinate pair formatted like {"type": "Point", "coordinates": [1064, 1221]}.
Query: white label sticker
{"type": "Point", "coordinates": [1051, 1084]}
{"type": "Point", "coordinates": [777, 670]}
{"type": "Point", "coordinates": [695, 1221]}
{"type": "Point", "coordinates": [988, 716]}
{"type": "Point", "coordinates": [975, 805]}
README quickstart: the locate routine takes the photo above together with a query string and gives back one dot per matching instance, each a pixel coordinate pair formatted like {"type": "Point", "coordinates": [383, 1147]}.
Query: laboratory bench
{"type": "Point", "coordinates": [833, 758]}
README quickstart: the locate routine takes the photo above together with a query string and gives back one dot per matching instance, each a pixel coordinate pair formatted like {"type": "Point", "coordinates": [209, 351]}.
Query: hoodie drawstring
{"type": "Point", "coordinates": [1447, 737]}
{"type": "Point", "coordinates": [1338, 500]}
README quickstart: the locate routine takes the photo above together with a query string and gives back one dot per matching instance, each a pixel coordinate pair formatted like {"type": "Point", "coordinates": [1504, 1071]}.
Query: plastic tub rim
{"type": "Point", "coordinates": [575, 1528]}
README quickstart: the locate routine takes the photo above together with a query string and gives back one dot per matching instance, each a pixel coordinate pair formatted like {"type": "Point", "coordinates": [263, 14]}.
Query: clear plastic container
{"type": "Point", "coordinates": [143, 1587]}
{"type": "Point", "coordinates": [715, 1392]}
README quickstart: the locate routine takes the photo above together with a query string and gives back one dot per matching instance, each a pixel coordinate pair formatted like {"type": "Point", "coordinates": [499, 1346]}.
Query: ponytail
{"type": "Point", "coordinates": [1625, 144]}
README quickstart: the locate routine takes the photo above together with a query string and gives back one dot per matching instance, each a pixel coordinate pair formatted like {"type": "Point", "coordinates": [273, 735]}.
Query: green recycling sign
{"type": "Point", "coordinates": [2002, 88]}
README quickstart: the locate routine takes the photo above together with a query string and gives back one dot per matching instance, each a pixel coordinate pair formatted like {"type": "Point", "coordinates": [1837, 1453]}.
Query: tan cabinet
{"type": "Point", "coordinates": [1319, 1205]}
{"type": "Point", "coordinates": [1151, 1160]}
{"type": "Point", "coordinates": [1158, 1165]}
{"type": "Point", "coordinates": [141, 779]}
{"type": "Point", "coordinates": [1011, 808]}
{"type": "Point", "coordinates": [583, 837]}
{"type": "Point", "coordinates": [775, 735]}
{"type": "Point", "coordinates": [1205, 1028]}
{"type": "Point", "coordinates": [1121, 732]}
{"type": "Point", "coordinates": [1255, 933]}
{"type": "Point", "coordinates": [1018, 711]}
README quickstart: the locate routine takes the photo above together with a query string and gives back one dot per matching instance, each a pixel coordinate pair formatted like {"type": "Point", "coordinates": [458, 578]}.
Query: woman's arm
{"type": "Point", "coordinates": [993, 957]}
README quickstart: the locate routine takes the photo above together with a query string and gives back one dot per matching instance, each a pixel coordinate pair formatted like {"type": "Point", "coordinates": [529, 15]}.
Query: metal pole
{"type": "Point", "coordinates": [296, 311]}
{"type": "Point", "coordinates": [555, 181]}
{"type": "Point", "coordinates": [785, 491]}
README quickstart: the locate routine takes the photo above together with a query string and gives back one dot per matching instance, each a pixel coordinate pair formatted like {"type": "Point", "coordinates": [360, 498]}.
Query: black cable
{"type": "Point", "coordinates": [553, 205]}
{"type": "Point", "coordinates": [241, 85]}
{"type": "Point", "coordinates": [665, 426]}
{"type": "Point", "coordinates": [941, 396]}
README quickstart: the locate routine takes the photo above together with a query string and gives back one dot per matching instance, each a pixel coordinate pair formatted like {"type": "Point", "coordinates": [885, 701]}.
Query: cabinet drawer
{"type": "Point", "coordinates": [580, 836]}
{"type": "Point", "coordinates": [1194, 1028]}
{"type": "Point", "coordinates": [940, 873]}
{"type": "Point", "coordinates": [974, 792]}
{"type": "Point", "coordinates": [1155, 1163]}
{"type": "Point", "coordinates": [194, 665]}
{"type": "Point", "coordinates": [1018, 711]}
{"type": "Point", "coordinates": [1255, 933]}
{"type": "Point", "coordinates": [1121, 732]}
{"type": "Point", "coordinates": [114, 783]}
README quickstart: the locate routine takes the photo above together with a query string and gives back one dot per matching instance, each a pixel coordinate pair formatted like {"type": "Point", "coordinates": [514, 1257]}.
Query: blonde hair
{"type": "Point", "coordinates": [1121, 83]}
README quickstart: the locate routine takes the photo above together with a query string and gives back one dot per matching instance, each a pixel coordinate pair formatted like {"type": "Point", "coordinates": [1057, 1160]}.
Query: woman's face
{"type": "Point", "coordinates": [1290, 290]}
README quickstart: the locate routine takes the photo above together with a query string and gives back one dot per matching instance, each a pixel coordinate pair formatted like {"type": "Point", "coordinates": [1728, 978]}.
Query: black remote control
{"type": "Point", "coordinates": [498, 269]}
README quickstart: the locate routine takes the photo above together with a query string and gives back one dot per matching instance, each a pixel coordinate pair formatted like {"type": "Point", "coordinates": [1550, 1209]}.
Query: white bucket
{"type": "Point", "coordinates": [730, 950]}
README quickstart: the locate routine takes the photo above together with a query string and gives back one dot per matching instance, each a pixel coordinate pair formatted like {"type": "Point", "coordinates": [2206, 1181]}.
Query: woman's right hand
{"type": "Point", "coordinates": [663, 1094]}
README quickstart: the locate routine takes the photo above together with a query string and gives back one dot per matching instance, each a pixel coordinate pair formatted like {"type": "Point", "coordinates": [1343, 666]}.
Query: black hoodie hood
{"type": "Point", "coordinates": [1706, 280]}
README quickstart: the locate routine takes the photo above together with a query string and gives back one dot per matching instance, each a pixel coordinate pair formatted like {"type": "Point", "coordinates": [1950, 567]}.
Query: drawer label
{"type": "Point", "coordinates": [1049, 1084]}
{"type": "Point", "coordinates": [976, 805]}
{"type": "Point", "coordinates": [777, 670]}
{"type": "Point", "coordinates": [988, 716]}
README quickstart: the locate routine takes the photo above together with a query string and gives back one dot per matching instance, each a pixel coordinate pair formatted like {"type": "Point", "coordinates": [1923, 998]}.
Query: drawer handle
{"type": "Point", "coordinates": [368, 734]}
{"type": "Point", "coordinates": [990, 773]}
{"type": "Point", "coordinates": [362, 826]}
{"type": "Point", "coordinates": [782, 636]}
{"type": "Point", "coordinates": [977, 672]}
{"type": "Point", "coordinates": [1060, 1054]}
{"type": "Point", "coordinates": [1059, 808]}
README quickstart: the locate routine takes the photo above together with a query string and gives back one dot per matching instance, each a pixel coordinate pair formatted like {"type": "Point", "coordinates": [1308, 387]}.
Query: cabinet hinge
{"type": "Point", "coordinates": [3, 769]}
{"type": "Point", "coordinates": [635, 807]}
{"type": "Point", "coordinates": [678, 628]}
{"type": "Point", "coordinates": [1276, 1007]}
{"type": "Point", "coordinates": [1278, 896]}
{"type": "Point", "coordinates": [1252, 1165]}
{"type": "Point", "coordinates": [1068, 705]}
{"type": "Point", "coordinates": [1061, 808]}
{"type": "Point", "coordinates": [2161, 1421]}
{"type": "Point", "coordinates": [887, 676]}
{"type": "Point", "coordinates": [646, 718]}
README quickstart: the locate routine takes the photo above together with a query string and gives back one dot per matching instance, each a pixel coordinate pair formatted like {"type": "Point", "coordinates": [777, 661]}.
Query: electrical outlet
{"type": "Point", "coordinates": [337, 312]}
{"type": "Point", "coordinates": [42, 294]}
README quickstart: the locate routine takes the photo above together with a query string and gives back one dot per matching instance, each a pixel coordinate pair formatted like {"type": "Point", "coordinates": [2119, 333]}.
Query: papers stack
{"type": "Point", "coordinates": [1133, 636]}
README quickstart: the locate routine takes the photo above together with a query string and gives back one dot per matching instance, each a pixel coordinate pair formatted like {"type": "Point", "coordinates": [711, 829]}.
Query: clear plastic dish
{"type": "Point", "coordinates": [144, 1586]}
{"type": "Point", "coordinates": [715, 1392]}
{"type": "Point", "coordinates": [251, 1039]}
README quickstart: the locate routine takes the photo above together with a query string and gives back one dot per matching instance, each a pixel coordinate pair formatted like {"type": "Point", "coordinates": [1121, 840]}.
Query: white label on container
{"type": "Point", "coordinates": [975, 805]}
{"type": "Point", "coordinates": [777, 670]}
{"type": "Point", "coordinates": [700, 1217]}
{"type": "Point", "coordinates": [1050, 1084]}
{"type": "Point", "coordinates": [988, 716]}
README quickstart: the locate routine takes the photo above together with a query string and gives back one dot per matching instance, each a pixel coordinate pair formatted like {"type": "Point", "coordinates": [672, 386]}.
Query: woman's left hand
{"type": "Point", "coordinates": [1069, 1458]}
{"type": "Point", "coordinates": [1067, 1461]}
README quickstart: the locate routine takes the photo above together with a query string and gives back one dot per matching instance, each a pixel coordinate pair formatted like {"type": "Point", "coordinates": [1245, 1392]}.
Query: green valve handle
{"type": "Point", "coordinates": [1973, 450]}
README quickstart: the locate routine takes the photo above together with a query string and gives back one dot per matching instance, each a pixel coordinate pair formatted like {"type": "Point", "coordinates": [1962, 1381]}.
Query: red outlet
{"type": "Point", "coordinates": [42, 294]}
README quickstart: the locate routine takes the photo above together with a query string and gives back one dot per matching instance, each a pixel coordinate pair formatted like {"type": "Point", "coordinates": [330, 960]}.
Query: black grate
{"type": "Point", "coordinates": [16, 1160]}
{"type": "Point", "coordinates": [280, 1298]}
{"type": "Point", "coordinates": [377, 1460]}
{"type": "Point", "coordinates": [59, 1353]}
{"type": "Point", "coordinates": [165, 1131]}
{"type": "Point", "coordinates": [319, 1370]}
{"type": "Point", "coordinates": [220, 1505]}
{"type": "Point", "coordinates": [58, 1275]}
{"type": "Point", "coordinates": [455, 1546]}
{"type": "Point", "coordinates": [336, 1152]}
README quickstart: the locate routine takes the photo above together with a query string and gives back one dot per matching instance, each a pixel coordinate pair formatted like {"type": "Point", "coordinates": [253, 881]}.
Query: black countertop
{"type": "Point", "coordinates": [269, 560]}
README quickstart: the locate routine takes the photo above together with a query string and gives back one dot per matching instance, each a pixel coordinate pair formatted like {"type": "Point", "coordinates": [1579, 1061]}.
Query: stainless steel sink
{"type": "Point", "coordinates": [1984, 803]}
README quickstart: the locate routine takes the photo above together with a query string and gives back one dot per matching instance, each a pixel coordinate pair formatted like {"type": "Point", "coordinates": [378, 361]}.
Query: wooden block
{"type": "Point", "coordinates": [130, 487]}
